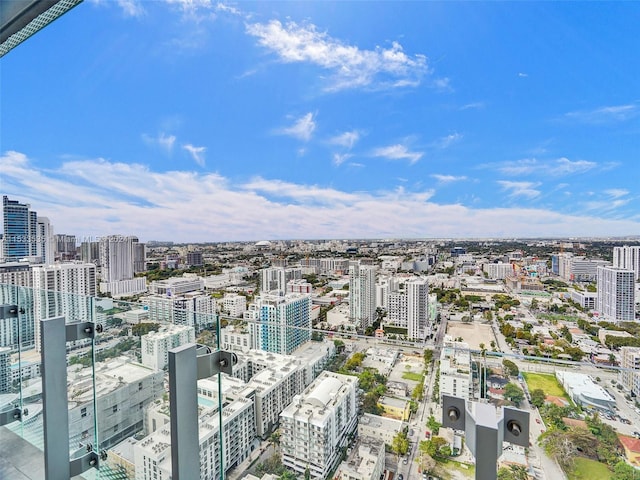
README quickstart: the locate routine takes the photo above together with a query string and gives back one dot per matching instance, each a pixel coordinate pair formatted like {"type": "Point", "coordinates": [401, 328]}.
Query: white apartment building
{"type": "Point", "coordinates": [417, 308]}
{"type": "Point", "coordinates": [366, 461]}
{"type": "Point", "coordinates": [630, 372]}
{"type": "Point", "coordinates": [193, 309]}
{"type": "Point", "coordinates": [123, 389]}
{"type": "Point", "coordinates": [237, 338]}
{"type": "Point", "coordinates": [63, 289]}
{"type": "Point", "coordinates": [234, 304]}
{"type": "Point", "coordinates": [117, 270]}
{"type": "Point", "coordinates": [379, 428]}
{"type": "Point", "coordinates": [276, 278]}
{"type": "Point", "coordinates": [397, 309]}
{"type": "Point", "coordinates": [156, 345]}
{"type": "Point", "coordinates": [44, 241]}
{"type": "Point", "coordinates": [315, 426]}
{"type": "Point", "coordinates": [628, 258]}
{"type": "Point", "coordinates": [16, 280]}
{"type": "Point", "coordinates": [498, 270]}
{"type": "Point", "coordinates": [616, 294]}
{"type": "Point", "coordinates": [456, 376]}
{"type": "Point", "coordinates": [153, 453]}
{"type": "Point", "coordinates": [362, 294]}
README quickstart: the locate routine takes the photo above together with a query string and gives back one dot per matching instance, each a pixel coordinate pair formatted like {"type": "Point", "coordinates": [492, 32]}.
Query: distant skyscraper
{"type": "Point", "coordinates": [616, 294]}
{"type": "Point", "coordinates": [284, 322]}
{"type": "Point", "coordinates": [65, 247]}
{"type": "Point", "coordinates": [90, 252]}
{"type": "Point", "coordinates": [44, 241]}
{"type": "Point", "coordinates": [362, 294]}
{"type": "Point", "coordinates": [628, 258]}
{"type": "Point", "coordinates": [117, 262]}
{"type": "Point", "coordinates": [19, 230]}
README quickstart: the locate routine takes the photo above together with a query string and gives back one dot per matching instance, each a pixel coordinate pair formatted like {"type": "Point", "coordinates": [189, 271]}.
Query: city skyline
{"type": "Point", "coordinates": [204, 121]}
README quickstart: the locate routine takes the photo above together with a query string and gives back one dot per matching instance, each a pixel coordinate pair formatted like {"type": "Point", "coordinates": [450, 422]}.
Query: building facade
{"type": "Point", "coordinates": [616, 294]}
{"type": "Point", "coordinates": [317, 423]}
{"type": "Point", "coordinates": [362, 295]}
{"type": "Point", "coordinates": [630, 369]}
{"type": "Point", "coordinates": [284, 322]}
{"type": "Point", "coordinates": [628, 258]}
{"type": "Point", "coordinates": [156, 345]}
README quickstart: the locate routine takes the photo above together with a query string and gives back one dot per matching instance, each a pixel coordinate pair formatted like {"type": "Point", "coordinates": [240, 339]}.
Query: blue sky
{"type": "Point", "coordinates": [191, 120]}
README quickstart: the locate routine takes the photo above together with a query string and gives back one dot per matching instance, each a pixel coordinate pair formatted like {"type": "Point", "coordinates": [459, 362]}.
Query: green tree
{"type": "Point", "coordinates": [400, 444]}
{"type": "Point", "coordinates": [143, 328]}
{"type": "Point", "coordinates": [307, 474]}
{"type": "Point", "coordinates": [537, 397]}
{"type": "Point", "coordinates": [623, 471]}
{"type": "Point", "coordinates": [510, 368]}
{"type": "Point", "coordinates": [513, 472]}
{"type": "Point", "coordinates": [513, 393]}
{"type": "Point", "coordinates": [433, 425]}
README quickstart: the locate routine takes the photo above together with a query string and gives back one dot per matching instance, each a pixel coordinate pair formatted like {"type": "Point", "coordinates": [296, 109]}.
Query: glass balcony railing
{"type": "Point", "coordinates": [118, 386]}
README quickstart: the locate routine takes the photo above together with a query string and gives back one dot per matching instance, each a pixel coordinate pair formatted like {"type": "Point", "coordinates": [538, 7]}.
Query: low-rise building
{"type": "Point", "coordinates": [630, 369]}
{"type": "Point", "coordinates": [380, 428]}
{"type": "Point", "coordinates": [366, 461]}
{"type": "Point", "coordinates": [456, 375]}
{"type": "Point", "coordinates": [585, 392]}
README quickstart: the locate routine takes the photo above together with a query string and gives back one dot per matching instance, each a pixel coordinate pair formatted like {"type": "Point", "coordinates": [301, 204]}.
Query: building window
{"type": "Point", "coordinates": [83, 412]}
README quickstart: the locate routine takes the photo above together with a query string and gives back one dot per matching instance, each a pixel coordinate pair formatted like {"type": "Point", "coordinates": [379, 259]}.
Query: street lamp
{"type": "Point", "coordinates": [485, 430]}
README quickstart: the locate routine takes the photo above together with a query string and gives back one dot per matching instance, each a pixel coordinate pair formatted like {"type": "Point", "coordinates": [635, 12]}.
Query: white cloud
{"type": "Point", "coordinates": [131, 8]}
{"type": "Point", "coordinates": [302, 128]}
{"type": "Point", "coordinates": [448, 178]}
{"type": "Point", "coordinates": [564, 166]}
{"type": "Point", "coordinates": [615, 113]}
{"type": "Point", "coordinates": [520, 189]}
{"type": "Point", "coordinates": [346, 139]}
{"type": "Point", "coordinates": [164, 141]}
{"type": "Point", "coordinates": [397, 152]}
{"type": "Point", "coordinates": [449, 140]}
{"type": "Point", "coordinates": [473, 105]}
{"type": "Point", "coordinates": [351, 67]}
{"type": "Point", "coordinates": [523, 75]}
{"type": "Point", "coordinates": [196, 152]}
{"type": "Point", "coordinates": [559, 167]}
{"type": "Point", "coordinates": [617, 192]}
{"type": "Point", "coordinates": [340, 158]}
{"type": "Point", "coordinates": [134, 199]}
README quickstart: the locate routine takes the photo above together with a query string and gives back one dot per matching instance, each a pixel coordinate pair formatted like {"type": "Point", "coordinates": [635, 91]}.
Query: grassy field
{"type": "Point", "coordinates": [586, 469]}
{"type": "Point", "coordinates": [416, 377]}
{"type": "Point", "coordinates": [454, 470]}
{"type": "Point", "coordinates": [546, 382]}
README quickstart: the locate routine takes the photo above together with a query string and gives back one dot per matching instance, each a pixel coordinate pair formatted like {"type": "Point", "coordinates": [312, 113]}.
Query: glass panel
{"type": "Point", "coordinates": [118, 389]}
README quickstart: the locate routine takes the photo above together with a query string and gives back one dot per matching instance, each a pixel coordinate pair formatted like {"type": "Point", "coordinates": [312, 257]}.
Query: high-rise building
{"type": "Point", "coordinates": [44, 241]}
{"type": "Point", "coordinates": [192, 309]}
{"type": "Point", "coordinates": [90, 252]}
{"type": "Point", "coordinates": [194, 259]}
{"type": "Point", "coordinates": [276, 278]}
{"type": "Point", "coordinates": [63, 289]}
{"type": "Point", "coordinates": [627, 257]}
{"type": "Point", "coordinates": [19, 230]}
{"type": "Point", "coordinates": [616, 294]}
{"type": "Point", "coordinates": [15, 289]}
{"type": "Point", "coordinates": [117, 266]}
{"type": "Point", "coordinates": [284, 322]}
{"type": "Point", "coordinates": [64, 247]}
{"type": "Point", "coordinates": [316, 425]}
{"type": "Point", "coordinates": [362, 294]}
{"type": "Point", "coordinates": [417, 308]}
